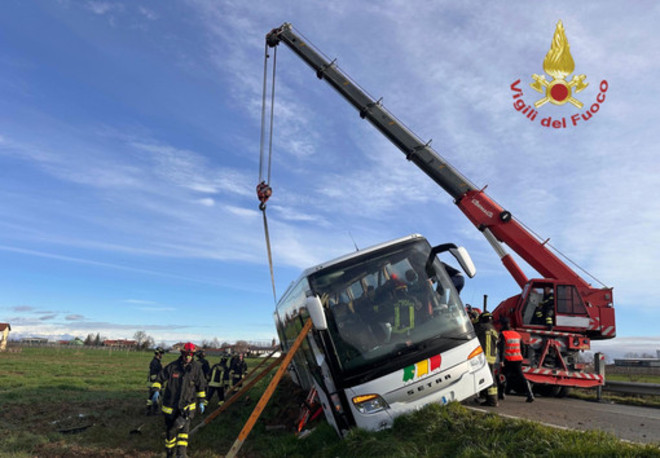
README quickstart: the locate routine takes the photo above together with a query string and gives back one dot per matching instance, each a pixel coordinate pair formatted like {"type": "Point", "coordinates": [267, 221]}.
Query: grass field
{"type": "Point", "coordinates": [75, 402]}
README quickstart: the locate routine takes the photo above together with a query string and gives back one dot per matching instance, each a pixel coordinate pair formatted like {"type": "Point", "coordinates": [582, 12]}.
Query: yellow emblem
{"type": "Point", "coordinates": [558, 63]}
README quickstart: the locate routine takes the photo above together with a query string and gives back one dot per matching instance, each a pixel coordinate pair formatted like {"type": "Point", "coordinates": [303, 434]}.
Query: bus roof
{"type": "Point", "coordinates": [359, 253]}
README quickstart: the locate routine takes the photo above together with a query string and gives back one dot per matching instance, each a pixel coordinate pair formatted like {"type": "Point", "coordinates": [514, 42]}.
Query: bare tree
{"type": "Point", "coordinates": [140, 337]}
{"type": "Point", "coordinates": [215, 343]}
{"type": "Point", "coordinates": [241, 346]}
{"type": "Point", "coordinates": [149, 343]}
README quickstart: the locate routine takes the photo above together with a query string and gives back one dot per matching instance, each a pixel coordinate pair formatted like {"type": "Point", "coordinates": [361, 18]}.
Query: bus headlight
{"type": "Point", "coordinates": [477, 357]}
{"type": "Point", "coordinates": [369, 403]}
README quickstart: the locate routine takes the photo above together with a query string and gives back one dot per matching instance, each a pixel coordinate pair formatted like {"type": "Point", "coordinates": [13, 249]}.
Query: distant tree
{"type": "Point", "coordinates": [162, 344]}
{"type": "Point", "coordinates": [631, 354]}
{"type": "Point", "coordinates": [140, 337]}
{"type": "Point", "coordinates": [149, 343]}
{"type": "Point", "coordinates": [89, 341]}
{"type": "Point", "coordinates": [225, 344]}
{"type": "Point", "coordinates": [215, 343]}
{"type": "Point", "coordinates": [273, 343]}
{"type": "Point", "coordinates": [206, 343]}
{"type": "Point", "coordinates": [241, 346]}
{"type": "Point", "coordinates": [647, 355]}
{"type": "Point", "coordinates": [97, 340]}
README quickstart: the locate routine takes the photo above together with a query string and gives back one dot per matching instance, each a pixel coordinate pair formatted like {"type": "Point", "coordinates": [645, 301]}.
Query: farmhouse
{"type": "Point", "coordinates": [4, 335]}
{"type": "Point", "coordinates": [122, 343]}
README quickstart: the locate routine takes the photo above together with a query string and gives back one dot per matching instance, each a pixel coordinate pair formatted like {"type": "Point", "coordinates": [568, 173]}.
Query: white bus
{"type": "Point", "coordinates": [390, 333]}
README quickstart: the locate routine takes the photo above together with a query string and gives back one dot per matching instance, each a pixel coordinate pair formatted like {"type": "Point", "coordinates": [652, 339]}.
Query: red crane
{"type": "Point", "coordinates": [577, 311]}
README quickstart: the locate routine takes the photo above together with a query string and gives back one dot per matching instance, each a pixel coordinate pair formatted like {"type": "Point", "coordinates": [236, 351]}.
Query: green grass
{"type": "Point", "coordinates": [46, 392]}
{"type": "Point", "coordinates": [637, 378]}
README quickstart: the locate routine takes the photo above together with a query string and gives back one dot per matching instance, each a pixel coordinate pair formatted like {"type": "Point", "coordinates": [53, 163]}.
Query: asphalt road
{"type": "Point", "coordinates": [632, 423]}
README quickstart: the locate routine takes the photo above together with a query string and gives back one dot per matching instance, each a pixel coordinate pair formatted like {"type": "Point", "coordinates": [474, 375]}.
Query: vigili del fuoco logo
{"type": "Point", "coordinates": [558, 65]}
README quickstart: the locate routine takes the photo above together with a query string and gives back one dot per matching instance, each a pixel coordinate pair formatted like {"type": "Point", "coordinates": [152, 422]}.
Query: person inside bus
{"type": "Point", "coordinates": [456, 276]}
{"type": "Point", "coordinates": [421, 292]}
{"type": "Point", "coordinates": [351, 328]}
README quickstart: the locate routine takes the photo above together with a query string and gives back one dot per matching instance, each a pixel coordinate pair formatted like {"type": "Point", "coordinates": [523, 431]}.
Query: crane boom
{"type": "Point", "coordinates": [480, 209]}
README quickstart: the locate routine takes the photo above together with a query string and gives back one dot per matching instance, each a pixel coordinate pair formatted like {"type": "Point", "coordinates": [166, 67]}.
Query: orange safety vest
{"type": "Point", "coordinates": [512, 346]}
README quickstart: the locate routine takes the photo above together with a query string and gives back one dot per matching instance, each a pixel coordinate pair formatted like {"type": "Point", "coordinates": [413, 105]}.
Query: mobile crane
{"type": "Point", "coordinates": [582, 312]}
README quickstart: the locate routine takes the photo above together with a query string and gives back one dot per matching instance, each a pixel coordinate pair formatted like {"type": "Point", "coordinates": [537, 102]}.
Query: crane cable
{"type": "Point", "coordinates": [264, 191]}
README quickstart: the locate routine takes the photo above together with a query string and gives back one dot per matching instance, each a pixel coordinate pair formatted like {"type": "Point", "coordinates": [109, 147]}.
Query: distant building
{"type": "Point", "coordinates": [638, 362]}
{"type": "Point", "coordinates": [4, 335]}
{"type": "Point", "coordinates": [121, 343]}
{"type": "Point", "coordinates": [34, 341]}
{"type": "Point", "coordinates": [178, 346]}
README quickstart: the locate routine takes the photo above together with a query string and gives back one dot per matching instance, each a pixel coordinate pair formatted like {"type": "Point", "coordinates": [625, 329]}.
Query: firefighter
{"type": "Point", "coordinates": [237, 369]}
{"type": "Point", "coordinates": [185, 389]}
{"type": "Point", "coordinates": [488, 339]}
{"type": "Point", "coordinates": [511, 364]}
{"type": "Point", "coordinates": [154, 369]}
{"type": "Point", "coordinates": [206, 367]}
{"type": "Point", "coordinates": [217, 380]}
{"type": "Point", "coordinates": [472, 313]}
{"type": "Point", "coordinates": [545, 310]}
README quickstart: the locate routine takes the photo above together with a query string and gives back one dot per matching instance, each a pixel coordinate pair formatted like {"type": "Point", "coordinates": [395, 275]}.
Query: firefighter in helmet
{"type": "Point", "coordinates": [217, 380]}
{"type": "Point", "coordinates": [154, 369]}
{"type": "Point", "coordinates": [185, 392]}
{"type": "Point", "coordinates": [488, 339]}
{"type": "Point", "coordinates": [237, 369]}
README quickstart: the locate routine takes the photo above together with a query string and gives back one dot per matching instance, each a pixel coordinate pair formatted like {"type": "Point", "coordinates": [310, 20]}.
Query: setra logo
{"type": "Point", "coordinates": [558, 64]}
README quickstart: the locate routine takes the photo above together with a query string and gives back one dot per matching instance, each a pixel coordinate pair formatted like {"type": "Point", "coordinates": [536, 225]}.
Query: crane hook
{"type": "Point", "coordinates": [263, 194]}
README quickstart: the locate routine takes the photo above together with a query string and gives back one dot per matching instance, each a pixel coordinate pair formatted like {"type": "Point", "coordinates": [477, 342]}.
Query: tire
{"type": "Point", "coordinates": [548, 390]}
{"type": "Point", "coordinates": [563, 392]}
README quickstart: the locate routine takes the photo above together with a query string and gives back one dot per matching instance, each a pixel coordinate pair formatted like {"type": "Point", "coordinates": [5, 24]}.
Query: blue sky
{"type": "Point", "coordinates": [129, 154]}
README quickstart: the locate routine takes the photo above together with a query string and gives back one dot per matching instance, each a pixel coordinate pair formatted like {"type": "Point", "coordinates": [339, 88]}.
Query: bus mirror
{"type": "Point", "coordinates": [464, 259]}
{"type": "Point", "coordinates": [459, 252]}
{"type": "Point", "coordinates": [315, 310]}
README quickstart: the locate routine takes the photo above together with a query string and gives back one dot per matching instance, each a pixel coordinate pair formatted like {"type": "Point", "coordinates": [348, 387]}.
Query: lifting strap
{"type": "Point", "coordinates": [264, 191]}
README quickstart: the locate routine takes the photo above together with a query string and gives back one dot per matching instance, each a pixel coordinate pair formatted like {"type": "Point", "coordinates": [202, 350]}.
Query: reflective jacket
{"type": "Point", "coordinates": [186, 384]}
{"type": "Point", "coordinates": [237, 367]}
{"type": "Point", "coordinates": [488, 339]}
{"type": "Point", "coordinates": [511, 343]}
{"type": "Point", "coordinates": [217, 374]}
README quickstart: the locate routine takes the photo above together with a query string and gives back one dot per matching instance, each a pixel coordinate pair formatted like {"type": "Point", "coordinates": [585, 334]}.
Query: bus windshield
{"type": "Point", "coordinates": [384, 304]}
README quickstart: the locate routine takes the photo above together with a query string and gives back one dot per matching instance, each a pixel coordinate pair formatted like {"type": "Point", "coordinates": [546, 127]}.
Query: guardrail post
{"type": "Point", "coordinates": [599, 367]}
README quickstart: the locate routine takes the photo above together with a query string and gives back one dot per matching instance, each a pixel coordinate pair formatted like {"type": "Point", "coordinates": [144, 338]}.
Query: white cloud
{"type": "Point", "coordinates": [101, 8]}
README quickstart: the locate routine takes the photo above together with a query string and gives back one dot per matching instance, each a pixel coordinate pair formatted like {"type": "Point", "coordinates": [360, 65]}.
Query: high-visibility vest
{"type": "Point", "coordinates": [512, 346]}
{"type": "Point", "coordinates": [216, 376]}
{"type": "Point", "coordinates": [404, 316]}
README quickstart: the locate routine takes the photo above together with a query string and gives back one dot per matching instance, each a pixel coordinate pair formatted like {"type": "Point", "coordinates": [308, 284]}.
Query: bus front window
{"type": "Point", "coordinates": [385, 303]}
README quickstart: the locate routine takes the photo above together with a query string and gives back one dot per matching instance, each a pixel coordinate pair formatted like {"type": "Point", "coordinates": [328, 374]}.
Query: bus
{"type": "Point", "coordinates": [389, 335]}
